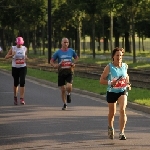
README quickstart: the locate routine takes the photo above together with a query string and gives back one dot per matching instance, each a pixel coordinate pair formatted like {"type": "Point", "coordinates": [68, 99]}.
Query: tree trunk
{"type": "Point", "coordinates": [123, 42]}
{"type": "Point", "coordinates": [133, 38]}
{"type": "Point", "coordinates": [139, 42]}
{"type": "Point", "coordinates": [117, 39]}
{"type": "Point", "coordinates": [99, 44]}
{"type": "Point", "coordinates": [34, 41]}
{"type": "Point", "coordinates": [93, 35]}
{"type": "Point", "coordinates": [27, 40]}
{"type": "Point", "coordinates": [111, 31]}
{"type": "Point", "coordinates": [79, 39]}
{"type": "Point", "coordinates": [105, 44]}
{"type": "Point", "coordinates": [143, 43]}
{"type": "Point", "coordinates": [43, 40]}
{"type": "Point", "coordinates": [127, 42]}
{"type": "Point", "coordinates": [84, 44]}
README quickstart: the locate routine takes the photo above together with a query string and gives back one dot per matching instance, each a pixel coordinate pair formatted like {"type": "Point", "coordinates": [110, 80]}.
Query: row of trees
{"type": "Point", "coordinates": [27, 18]}
{"type": "Point", "coordinates": [75, 19]}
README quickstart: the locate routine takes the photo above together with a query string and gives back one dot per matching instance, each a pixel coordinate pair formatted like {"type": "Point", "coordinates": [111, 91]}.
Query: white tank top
{"type": "Point", "coordinates": [18, 60]}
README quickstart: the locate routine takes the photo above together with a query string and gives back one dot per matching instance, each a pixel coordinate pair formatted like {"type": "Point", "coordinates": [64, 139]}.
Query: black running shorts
{"type": "Point", "coordinates": [19, 75]}
{"type": "Point", "coordinates": [65, 78]}
{"type": "Point", "coordinates": [112, 97]}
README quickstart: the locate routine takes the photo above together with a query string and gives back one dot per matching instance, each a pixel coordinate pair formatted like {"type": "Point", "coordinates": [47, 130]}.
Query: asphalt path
{"type": "Point", "coordinates": [41, 124]}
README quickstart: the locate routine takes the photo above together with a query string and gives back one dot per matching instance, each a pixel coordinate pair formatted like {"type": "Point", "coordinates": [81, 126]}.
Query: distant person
{"type": "Point", "coordinates": [116, 77]}
{"type": "Point", "coordinates": [18, 54]}
{"type": "Point", "coordinates": [65, 67]}
{"type": "Point", "coordinates": [1, 50]}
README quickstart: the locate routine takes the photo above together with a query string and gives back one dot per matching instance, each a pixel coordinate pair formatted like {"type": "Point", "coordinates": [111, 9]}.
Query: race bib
{"type": "Point", "coordinates": [20, 61]}
{"type": "Point", "coordinates": [66, 64]}
{"type": "Point", "coordinates": [120, 84]}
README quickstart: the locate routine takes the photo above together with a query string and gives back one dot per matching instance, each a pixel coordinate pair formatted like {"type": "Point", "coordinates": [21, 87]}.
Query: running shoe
{"type": "Point", "coordinates": [15, 100]}
{"type": "Point", "coordinates": [22, 102]}
{"type": "Point", "coordinates": [122, 136]}
{"type": "Point", "coordinates": [69, 98]}
{"type": "Point", "coordinates": [64, 107]}
{"type": "Point", "coordinates": [111, 133]}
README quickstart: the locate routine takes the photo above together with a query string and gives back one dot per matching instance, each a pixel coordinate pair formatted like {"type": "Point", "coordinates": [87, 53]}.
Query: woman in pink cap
{"type": "Point", "coordinates": [18, 54]}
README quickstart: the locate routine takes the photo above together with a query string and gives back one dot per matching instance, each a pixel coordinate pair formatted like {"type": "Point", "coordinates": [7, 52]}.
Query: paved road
{"type": "Point", "coordinates": [41, 124]}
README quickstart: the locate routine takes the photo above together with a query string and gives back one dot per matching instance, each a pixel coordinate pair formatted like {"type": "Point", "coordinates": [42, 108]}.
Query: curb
{"type": "Point", "coordinates": [131, 105]}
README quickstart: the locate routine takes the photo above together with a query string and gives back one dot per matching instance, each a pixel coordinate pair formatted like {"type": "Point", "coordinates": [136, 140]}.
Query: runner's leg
{"type": "Point", "coordinates": [111, 114]}
{"type": "Point", "coordinates": [122, 106]}
{"type": "Point", "coordinates": [23, 72]}
{"type": "Point", "coordinates": [69, 87]}
{"type": "Point", "coordinates": [63, 93]}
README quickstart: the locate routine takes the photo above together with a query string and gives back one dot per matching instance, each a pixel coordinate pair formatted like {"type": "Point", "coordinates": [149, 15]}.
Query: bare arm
{"type": "Point", "coordinates": [128, 81]}
{"type": "Point", "coordinates": [54, 64]}
{"type": "Point", "coordinates": [104, 75]}
{"type": "Point", "coordinates": [26, 57]}
{"type": "Point", "coordinates": [10, 54]}
{"type": "Point", "coordinates": [127, 76]}
{"type": "Point", "coordinates": [75, 61]}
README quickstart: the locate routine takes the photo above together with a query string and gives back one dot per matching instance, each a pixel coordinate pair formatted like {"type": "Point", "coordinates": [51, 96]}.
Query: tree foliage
{"type": "Point", "coordinates": [74, 19]}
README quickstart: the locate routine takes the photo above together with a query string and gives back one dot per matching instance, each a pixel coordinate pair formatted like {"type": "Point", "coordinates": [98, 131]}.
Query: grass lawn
{"type": "Point", "coordinates": [136, 95]}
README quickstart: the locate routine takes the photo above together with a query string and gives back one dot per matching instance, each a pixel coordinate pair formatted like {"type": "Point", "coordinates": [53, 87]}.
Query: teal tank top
{"type": "Point", "coordinates": [116, 73]}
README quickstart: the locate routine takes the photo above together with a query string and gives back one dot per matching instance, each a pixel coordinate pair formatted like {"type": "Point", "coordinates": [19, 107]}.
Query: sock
{"type": "Point", "coordinates": [110, 127]}
{"type": "Point", "coordinates": [121, 133]}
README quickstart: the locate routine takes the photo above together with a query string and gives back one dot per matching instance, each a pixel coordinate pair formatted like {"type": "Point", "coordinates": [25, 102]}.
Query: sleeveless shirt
{"type": "Point", "coordinates": [120, 74]}
{"type": "Point", "coordinates": [18, 60]}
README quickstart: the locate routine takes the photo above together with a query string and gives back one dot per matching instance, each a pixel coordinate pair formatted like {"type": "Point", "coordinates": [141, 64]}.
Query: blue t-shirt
{"type": "Point", "coordinates": [115, 73]}
{"type": "Point", "coordinates": [62, 55]}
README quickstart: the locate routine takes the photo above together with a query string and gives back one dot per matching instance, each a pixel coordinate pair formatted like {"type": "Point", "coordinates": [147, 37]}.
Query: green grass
{"type": "Point", "coordinates": [40, 74]}
{"type": "Point", "coordinates": [141, 53]}
{"type": "Point", "coordinates": [136, 95]}
{"type": "Point", "coordinates": [139, 65]}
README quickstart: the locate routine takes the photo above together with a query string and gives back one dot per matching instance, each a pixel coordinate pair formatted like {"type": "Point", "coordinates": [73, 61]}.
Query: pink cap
{"type": "Point", "coordinates": [19, 41]}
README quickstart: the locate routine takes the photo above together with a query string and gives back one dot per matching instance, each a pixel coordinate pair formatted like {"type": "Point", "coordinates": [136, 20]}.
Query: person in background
{"type": "Point", "coordinates": [1, 50]}
{"type": "Point", "coordinates": [65, 68]}
{"type": "Point", "coordinates": [116, 77]}
{"type": "Point", "coordinates": [18, 54]}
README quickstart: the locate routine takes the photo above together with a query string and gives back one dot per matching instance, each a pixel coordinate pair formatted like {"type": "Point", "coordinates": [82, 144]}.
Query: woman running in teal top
{"type": "Point", "coordinates": [116, 77]}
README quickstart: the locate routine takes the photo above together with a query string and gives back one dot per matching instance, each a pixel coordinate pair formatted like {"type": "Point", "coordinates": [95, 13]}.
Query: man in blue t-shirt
{"type": "Point", "coordinates": [65, 68]}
